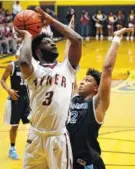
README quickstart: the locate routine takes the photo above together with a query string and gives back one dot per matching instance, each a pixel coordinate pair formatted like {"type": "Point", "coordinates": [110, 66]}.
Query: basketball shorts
{"type": "Point", "coordinates": [98, 164]}
{"type": "Point", "coordinates": [17, 110]}
{"type": "Point", "coordinates": [47, 150]}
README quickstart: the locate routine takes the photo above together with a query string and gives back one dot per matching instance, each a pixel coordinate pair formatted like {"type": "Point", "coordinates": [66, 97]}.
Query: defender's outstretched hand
{"type": "Point", "coordinates": [72, 22]}
{"type": "Point", "coordinates": [122, 31]}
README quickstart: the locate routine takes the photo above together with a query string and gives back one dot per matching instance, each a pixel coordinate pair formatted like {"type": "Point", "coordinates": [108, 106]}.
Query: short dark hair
{"type": "Point", "coordinates": [36, 42]}
{"type": "Point", "coordinates": [94, 73]}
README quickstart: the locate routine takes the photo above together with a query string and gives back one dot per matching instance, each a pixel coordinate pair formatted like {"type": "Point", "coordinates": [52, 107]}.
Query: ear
{"type": "Point", "coordinates": [96, 89]}
{"type": "Point", "coordinates": [37, 51]}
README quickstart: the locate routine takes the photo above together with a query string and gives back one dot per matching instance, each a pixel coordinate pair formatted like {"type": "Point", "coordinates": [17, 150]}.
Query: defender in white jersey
{"type": "Point", "coordinates": [50, 85]}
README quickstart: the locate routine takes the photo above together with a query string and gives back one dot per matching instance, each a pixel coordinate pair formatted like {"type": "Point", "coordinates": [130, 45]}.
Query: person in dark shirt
{"type": "Point", "coordinates": [88, 109]}
{"type": "Point", "coordinates": [70, 13]}
{"type": "Point", "coordinates": [17, 104]}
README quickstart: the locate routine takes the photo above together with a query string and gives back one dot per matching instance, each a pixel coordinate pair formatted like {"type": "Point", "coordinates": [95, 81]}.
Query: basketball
{"type": "Point", "coordinates": [28, 20]}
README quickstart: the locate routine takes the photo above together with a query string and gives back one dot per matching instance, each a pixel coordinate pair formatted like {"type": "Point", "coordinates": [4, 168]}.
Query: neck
{"type": "Point", "coordinates": [88, 97]}
{"type": "Point", "coordinates": [42, 61]}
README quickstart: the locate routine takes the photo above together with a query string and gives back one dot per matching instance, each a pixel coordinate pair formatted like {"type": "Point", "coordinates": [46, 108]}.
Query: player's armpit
{"type": "Point", "coordinates": [26, 70]}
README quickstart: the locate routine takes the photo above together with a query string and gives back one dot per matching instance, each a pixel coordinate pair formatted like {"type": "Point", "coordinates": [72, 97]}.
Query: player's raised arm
{"type": "Point", "coordinates": [25, 58]}
{"type": "Point", "coordinates": [102, 99]}
{"type": "Point", "coordinates": [75, 48]}
{"type": "Point", "coordinates": [68, 43]}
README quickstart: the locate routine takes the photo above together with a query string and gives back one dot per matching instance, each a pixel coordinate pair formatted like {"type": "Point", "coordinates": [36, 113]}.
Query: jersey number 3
{"type": "Point", "coordinates": [48, 98]}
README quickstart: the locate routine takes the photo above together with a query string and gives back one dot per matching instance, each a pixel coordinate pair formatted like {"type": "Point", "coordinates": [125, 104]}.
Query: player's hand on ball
{"type": "Point", "coordinates": [45, 17]}
{"type": "Point", "coordinates": [22, 33]}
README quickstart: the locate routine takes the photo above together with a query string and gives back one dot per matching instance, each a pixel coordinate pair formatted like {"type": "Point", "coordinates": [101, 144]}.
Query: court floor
{"type": "Point", "coordinates": [117, 135]}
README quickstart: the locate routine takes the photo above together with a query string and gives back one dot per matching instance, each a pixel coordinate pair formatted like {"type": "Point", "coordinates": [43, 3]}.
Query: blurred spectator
{"type": "Point", "coordinates": [12, 42]}
{"type": "Point", "coordinates": [99, 18]}
{"type": "Point", "coordinates": [70, 13]}
{"type": "Point", "coordinates": [131, 24]}
{"type": "Point", "coordinates": [8, 16]}
{"type": "Point", "coordinates": [4, 43]}
{"type": "Point", "coordinates": [16, 8]}
{"type": "Point", "coordinates": [85, 25]}
{"type": "Point", "coordinates": [2, 16]}
{"type": "Point", "coordinates": [51, 12]}
{"type": "Point", "coordinates": [8, 43]}
{"type": "Point", "coordinates": [111, 20]}
{"type": "Point", "coordinates": [120, 20]}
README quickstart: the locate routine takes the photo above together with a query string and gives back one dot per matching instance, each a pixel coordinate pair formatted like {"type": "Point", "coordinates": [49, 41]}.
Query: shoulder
{"type": "Point", "coordinates": [10, 66]}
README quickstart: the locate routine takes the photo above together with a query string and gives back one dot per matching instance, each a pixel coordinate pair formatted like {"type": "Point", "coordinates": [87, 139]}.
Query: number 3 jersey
{"type": "Point", "coordinates": [50, 88]}
{"type": "Point", "coordinates": [17, 81]}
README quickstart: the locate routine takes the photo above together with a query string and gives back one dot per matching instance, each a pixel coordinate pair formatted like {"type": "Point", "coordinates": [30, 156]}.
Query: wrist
{"type": "Point", "coordinates": [117, 39]}
{"type": "Point", "coordinates": [49, 19]}
{"type": "Point", "coordinates": [8, 90]}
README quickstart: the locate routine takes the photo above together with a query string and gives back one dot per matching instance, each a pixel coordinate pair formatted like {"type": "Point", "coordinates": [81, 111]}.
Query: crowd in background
{"type": "Point", "coordinates": [8, 42]}
{"type": "Point", "coordinates": [112, 22]}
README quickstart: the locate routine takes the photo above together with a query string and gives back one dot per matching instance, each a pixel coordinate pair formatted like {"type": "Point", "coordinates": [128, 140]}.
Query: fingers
{"type": "Point", "coordinates": [123, 30]}
{"type": "Point", "coordinates": [39, 10]}
{"type": "Point", "coordinates": [130, 29]}
{"type": "Point", "coordinates": [14, 96]}
{"type": "Point", "coordinates": [16, 29]}
{"type": "Point", "coordinates": [16, 93]}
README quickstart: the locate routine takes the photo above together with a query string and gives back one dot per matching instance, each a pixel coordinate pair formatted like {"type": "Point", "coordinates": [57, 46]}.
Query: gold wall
{"type": "Point", "coordinates": [24, 3]}
{"type": "Point", "coordinates": [95, 2]}
{"type": "Point", "coordinates": [8, 4]}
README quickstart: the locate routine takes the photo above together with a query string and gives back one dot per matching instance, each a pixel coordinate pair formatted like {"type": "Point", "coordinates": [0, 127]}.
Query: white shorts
{"type": "Point", "coordinates": [7, 115]}
{"type": "Point", "coordinates": [130, 25]}
{"type": "Point", "coordinates": [98, 25]}
{"type": "Point", "coordinates": [47, 150]}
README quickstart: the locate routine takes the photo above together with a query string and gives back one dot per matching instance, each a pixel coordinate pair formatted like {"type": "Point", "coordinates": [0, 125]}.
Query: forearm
{"type": "Point", "coordinates": [26, 52]}
{"type": "Point", "coordinates": [74, 37]}
{"type": "Point", "coordinates": [68, 43]}
{"type": "Point", "coordinates": [111, 56]}
{"type": "Point", "coordinates": [4, 85]}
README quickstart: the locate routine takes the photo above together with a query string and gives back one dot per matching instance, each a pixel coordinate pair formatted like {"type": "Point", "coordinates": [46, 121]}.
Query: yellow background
{"type": "Point", "coordinates": [24, 4]}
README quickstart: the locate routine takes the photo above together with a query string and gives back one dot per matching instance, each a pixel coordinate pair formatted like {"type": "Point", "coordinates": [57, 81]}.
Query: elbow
{"type": "Point", "coordinates": [78, 41]}
{"type": "Point", "coordinates": [108, 68]}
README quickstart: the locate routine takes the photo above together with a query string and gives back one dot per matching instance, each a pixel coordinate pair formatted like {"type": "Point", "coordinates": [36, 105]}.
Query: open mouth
{"type": "Point", "coordinates": [54, 49]}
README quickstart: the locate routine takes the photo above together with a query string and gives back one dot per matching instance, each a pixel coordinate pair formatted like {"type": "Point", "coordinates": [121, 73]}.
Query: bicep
{"type": "Point", "coordinates": [7, 72]}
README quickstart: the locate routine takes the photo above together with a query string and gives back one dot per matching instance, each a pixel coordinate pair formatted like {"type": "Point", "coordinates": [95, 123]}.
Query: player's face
{"type": "Point", "coordinates": [88, 86]}
{"type": "Point", "coordinates": [47, 44]}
